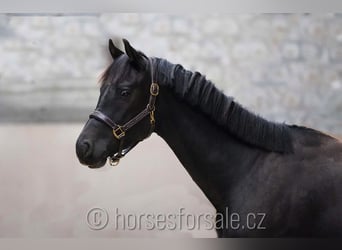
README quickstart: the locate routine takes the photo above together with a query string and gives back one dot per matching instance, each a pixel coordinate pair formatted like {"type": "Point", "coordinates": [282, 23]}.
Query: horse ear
{"type": "Point", "coordinates": [134, 55]}
{"type": "Point", "coordinates": [114, 51]}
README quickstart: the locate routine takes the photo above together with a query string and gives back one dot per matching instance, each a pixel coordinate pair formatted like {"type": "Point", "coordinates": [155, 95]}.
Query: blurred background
{"type": "Point", "coordinates": [285, 67]}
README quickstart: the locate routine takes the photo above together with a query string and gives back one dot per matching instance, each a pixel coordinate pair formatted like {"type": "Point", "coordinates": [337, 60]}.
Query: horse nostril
{"type": "Point", "coordinates": [84, 149]}
{"type": "Point", "coordinates": [87, 148]}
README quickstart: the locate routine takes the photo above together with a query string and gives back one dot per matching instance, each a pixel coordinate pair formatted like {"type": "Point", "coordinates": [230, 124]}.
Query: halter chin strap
{"type": "Point", "coordinates": [119, 131]}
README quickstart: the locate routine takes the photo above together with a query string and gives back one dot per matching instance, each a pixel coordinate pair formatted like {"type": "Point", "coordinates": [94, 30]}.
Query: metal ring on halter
{"type": "Point", "coordinates": [113, 162]}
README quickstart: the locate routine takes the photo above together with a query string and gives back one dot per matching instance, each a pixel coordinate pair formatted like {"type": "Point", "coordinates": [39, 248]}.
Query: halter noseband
{"type": "Point", "coordinates": [119, 132]}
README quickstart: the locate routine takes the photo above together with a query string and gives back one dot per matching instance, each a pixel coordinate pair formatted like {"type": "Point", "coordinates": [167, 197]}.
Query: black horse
{"type": "Point", "coordinates": [265, 179]}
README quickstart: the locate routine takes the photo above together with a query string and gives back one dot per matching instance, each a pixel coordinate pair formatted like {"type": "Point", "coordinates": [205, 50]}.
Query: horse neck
{"type": "Point", "coordinates": [214, 159]}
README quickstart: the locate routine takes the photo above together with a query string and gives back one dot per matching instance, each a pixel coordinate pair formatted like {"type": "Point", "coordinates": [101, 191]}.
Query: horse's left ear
{"type": "Point", "coordinates": [134, 55]}
{"type": "Point", "coordinates": [114, 51]}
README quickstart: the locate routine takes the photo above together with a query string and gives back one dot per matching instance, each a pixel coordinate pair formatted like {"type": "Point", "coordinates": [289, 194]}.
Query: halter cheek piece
{"type": "Point", "coordinates": [119, 132]}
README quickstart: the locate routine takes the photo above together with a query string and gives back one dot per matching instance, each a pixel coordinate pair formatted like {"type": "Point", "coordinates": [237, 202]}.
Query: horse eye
{"type": "Point", "coordinates": [124, 93]}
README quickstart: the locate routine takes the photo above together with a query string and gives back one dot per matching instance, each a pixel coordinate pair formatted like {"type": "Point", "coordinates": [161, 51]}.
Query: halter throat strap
{"type": "Point", "coordinates": [119, 131]}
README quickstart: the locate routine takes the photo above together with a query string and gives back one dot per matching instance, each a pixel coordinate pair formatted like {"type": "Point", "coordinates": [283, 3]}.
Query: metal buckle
{"type": "Point", "coordinates": [121, 132]}
{"type": "Point", "coordinates": [154, 89]}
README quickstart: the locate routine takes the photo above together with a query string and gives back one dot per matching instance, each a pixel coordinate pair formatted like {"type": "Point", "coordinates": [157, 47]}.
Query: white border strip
{"type": "Point", "coordinates": [167, 6]}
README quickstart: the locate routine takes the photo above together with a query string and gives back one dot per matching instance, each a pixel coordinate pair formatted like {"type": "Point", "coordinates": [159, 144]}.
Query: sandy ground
{"type": "Point", "coordinates": [45, 192]}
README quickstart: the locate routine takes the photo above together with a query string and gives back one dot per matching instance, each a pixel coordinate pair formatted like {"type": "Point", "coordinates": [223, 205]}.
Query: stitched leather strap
{"type": "Point", "coordinates": [103, 118]}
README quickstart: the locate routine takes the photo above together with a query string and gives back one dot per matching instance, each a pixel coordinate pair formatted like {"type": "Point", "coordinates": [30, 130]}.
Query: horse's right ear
{"type": "Point", "coordinates": [114, 51]}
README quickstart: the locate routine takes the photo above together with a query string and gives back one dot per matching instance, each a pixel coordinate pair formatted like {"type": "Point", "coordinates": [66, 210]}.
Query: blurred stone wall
{"type": "Point", "coordinates": [286, 67]}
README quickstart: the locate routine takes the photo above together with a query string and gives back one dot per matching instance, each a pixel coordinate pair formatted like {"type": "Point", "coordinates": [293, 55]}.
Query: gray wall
{"type": "Point", "coordinates": [284, 67]}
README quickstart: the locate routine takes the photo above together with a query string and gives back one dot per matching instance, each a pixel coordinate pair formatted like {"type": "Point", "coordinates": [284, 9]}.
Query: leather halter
{"type": "Point", "coordinates": [119, 131]}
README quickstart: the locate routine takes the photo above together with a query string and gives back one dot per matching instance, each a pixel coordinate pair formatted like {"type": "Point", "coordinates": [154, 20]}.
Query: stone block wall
{"type": "Point", "coordinates": [286, 67]}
